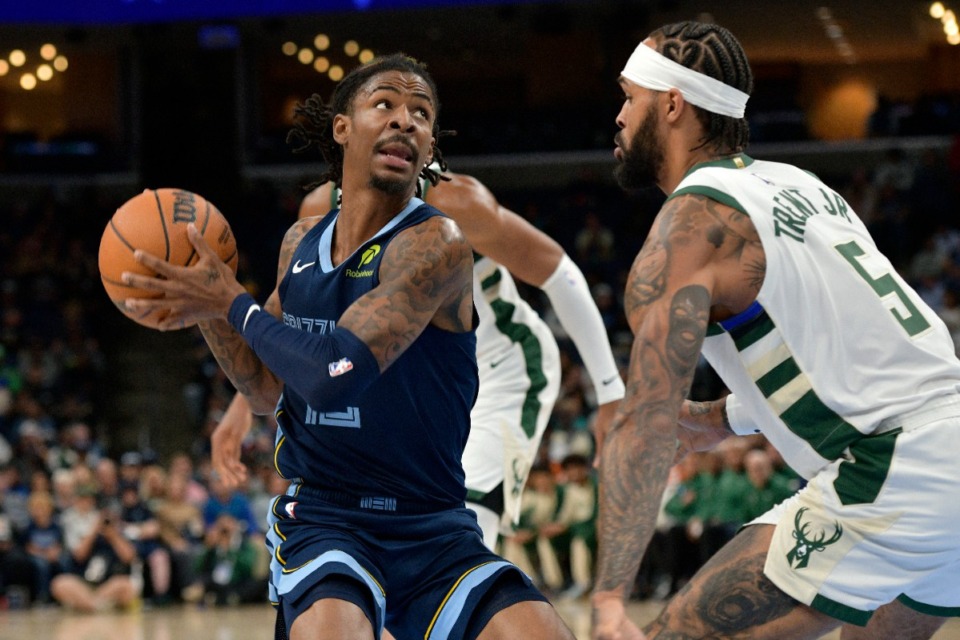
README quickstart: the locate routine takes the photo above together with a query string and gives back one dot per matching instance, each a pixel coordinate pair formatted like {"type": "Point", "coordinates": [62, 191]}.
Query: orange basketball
{"type": "Point", "coordinates": [156, 221]}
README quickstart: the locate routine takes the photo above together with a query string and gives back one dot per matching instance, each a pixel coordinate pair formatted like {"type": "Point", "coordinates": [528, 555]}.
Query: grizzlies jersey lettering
{"type": "Point", "coordinates": [836, 341]}
{"type": "Point", "coordinates": [403, 439]}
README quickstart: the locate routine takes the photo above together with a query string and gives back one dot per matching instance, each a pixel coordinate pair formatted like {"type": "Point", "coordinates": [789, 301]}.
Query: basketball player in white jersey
{"type": "Point", "coordinates": [828, 353]}
{"type": "Point", "coordinates": [517, 354]}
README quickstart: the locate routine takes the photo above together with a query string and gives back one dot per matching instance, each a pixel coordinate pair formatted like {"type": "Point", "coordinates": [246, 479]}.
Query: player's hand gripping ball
{"type": "Point", "coordinates": [156, 222]}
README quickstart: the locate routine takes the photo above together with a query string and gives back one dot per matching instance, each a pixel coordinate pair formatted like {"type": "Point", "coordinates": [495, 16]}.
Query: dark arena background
{"type": "Point", "coordinates": [100, 100]}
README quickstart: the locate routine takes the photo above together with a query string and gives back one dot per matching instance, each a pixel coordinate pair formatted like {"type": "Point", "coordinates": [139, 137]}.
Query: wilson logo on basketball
{"type": "Point", "coordinates": [184, 207]}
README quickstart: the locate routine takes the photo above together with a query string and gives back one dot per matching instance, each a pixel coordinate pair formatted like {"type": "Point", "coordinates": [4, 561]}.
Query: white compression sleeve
{"type": "Point", "coordinates": [740, 422]}
{"type": "Point", "coordinates": [570, 296]}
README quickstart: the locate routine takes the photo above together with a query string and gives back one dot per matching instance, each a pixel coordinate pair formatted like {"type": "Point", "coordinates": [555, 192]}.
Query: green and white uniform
{"type": "Point", "coordinates": [519, 363]}
{"type": "Point", "coordinates": [853, 378]}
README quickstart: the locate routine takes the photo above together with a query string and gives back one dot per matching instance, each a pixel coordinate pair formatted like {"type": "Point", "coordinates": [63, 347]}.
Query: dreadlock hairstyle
{"type": "Point", "coordinates": [715, 52]}
{"type": "Point", "coordinates": [314, 118]}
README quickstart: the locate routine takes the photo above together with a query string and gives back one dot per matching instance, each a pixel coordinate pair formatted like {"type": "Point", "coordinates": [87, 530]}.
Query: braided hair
{"type": "Point", "coordinates": [715, 52]}
{"type": "Point", "coordinates": [313, 126]}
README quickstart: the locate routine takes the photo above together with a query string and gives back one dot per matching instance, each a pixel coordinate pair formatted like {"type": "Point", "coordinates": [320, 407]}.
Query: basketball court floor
{"type": "Point", "coordinates": [243, 623]}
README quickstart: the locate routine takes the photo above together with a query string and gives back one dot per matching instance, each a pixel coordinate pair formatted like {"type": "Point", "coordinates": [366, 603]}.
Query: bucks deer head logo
{"type": "Point", "coordinates": [799, 556]}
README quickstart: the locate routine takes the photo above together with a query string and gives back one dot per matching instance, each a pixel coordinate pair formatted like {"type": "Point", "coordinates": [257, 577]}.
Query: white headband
{"type": "Point", "coordinates": [649, 69]}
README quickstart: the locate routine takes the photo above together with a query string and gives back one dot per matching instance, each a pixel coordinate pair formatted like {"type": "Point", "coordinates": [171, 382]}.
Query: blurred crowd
{"type": "Point", "coordinates": [89, 525]}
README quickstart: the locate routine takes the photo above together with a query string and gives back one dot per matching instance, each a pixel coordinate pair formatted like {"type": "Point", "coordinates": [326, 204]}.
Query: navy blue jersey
{"type": "Point", "coordinates": [404, 437]}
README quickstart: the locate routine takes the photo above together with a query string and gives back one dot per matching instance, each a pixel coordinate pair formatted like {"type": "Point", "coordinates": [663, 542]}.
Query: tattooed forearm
{"type": "Point", "coordinates": [689, 315]}
{"type": "Point", "coordinates": [241, 365]}
{"type": "Point", "coordinates": [636, 458]}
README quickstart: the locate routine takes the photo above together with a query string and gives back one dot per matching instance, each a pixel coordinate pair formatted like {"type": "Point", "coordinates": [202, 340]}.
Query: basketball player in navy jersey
{"type": "Point", "coordinates": [517, 354]}
{"type": "Point", "coordinates": [366, 351]}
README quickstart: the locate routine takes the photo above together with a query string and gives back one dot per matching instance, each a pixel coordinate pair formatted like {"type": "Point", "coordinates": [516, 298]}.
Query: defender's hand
{"type": "Point", "coordinates": [610, 621]}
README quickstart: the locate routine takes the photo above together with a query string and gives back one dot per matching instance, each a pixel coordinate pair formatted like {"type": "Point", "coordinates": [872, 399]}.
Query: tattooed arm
{"type": "Point", "coordinates": [426, 276]}
{"type": "Point", "coordinates": [258, 385]}
{"type": "Point", "coordinates": [691, 267]}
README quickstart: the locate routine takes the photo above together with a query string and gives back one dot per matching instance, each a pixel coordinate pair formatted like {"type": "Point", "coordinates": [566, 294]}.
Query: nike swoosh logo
{"type": "Point", "coordinates": [610, 380]}
{"type": "Point", "coordinates": [497, 363]}
{"type": "Point", "coordinates": [297, 268]}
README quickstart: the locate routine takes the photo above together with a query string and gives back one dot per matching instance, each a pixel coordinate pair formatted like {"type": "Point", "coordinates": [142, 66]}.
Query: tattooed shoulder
{"type": "Point", "coordinates": [292, 240]}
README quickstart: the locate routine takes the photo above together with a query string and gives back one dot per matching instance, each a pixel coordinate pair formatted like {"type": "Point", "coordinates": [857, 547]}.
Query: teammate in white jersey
{"type": "Point", "coordinates": [769, 273]}
{"type": "Point", "coordinates": [517, 354]}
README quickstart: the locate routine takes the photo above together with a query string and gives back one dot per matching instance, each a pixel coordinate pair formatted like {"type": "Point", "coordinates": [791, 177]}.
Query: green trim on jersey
{"type": "Point", "coordinates": [713, 194]}
{"type": "Point", "coordinates": [736, 161]}
{"type": "Point", "coordinates": [491, 280]}
{"type": "Point", "coordinates": [840, 611]}
{"type": "Point", "coordinates": [789, 393]}
{"type": "Point", "coordinates": [859, 480]}
{"type": "Point", "coordinates": [929, 609]}
{"type": "Point", "coordinates": [714, 329]}
{"type": "Point", "coordinates": [532, 354]}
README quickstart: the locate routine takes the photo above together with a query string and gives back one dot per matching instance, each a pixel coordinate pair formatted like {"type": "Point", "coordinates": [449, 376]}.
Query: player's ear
{"type": "Point", "coordinates": [341, 128]}
{"type": "Point", "coordinates": [429, 160]}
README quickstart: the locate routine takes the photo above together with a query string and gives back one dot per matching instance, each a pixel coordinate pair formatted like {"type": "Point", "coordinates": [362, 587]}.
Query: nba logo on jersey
{"type": "Point", "coordinates": [339, 367]}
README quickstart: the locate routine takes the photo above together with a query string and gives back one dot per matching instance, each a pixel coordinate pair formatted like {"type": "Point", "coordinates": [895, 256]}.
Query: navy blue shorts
{"type": "Point", "coordinates": [425, 575]}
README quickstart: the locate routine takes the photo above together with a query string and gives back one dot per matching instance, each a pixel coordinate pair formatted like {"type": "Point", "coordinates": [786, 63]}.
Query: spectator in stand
{"type": "Point", "coordinates": [683, 507]}
{"type": "Point", "coordinates": [18, 576]}
{"type": "Point", "coordinates": [767, 488]}
{"type": "Point", "coordinates": [141, 527]}
{"type": "Point", "coordinates": [538, 507]}
{"type": "Point", "coordinates": [131, 467]}
{"type": "Point", "coordinates": [102, 557]}
{"type": "Point", "coordinates": [63, 486]}
{"type": "Point", "coordinates": [723, 513]}
{"type": "Point", "coordinates": [227, 564]}
{"type": "Point", "coordinates": [182, 532]}
{"type": "Point", "coordinates": [108, 484]}
{"type": "Point", "coordinates": [792, 479]}
{"type": "Point", "coordinates": [195, 492]}
{"type": "Point", "coordinates": [43, 541]}
{"type": "Point", "coordinates": [595, 246]}
{"type": "Point", "coordinates": [224, 499]}
{"type": "Point", "coordinates": [572, 531]}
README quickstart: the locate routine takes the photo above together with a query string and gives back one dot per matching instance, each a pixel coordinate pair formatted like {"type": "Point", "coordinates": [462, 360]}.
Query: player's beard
{"type": "Point", "coordinates": [389, 186]}
{"type": "Point", "coordinates": [640, 164]}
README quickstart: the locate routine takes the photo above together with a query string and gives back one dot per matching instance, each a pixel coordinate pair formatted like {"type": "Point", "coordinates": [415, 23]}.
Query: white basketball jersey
{"type": "Point", "coordinates": [836, 341]}
{"type": "Point", "coordinates": [505, 317]}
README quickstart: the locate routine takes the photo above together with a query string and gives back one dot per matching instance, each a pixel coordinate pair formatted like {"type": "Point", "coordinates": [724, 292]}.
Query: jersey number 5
{"type": "Point", "coordinates": [912, 321]}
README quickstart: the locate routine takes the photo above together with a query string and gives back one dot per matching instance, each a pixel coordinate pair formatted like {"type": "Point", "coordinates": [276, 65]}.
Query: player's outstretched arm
{"type": "Point", "coordinates": [537, 259]}
{"type": "Point", "coordinates": [227, 439]}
